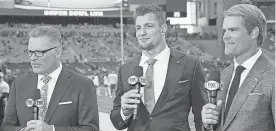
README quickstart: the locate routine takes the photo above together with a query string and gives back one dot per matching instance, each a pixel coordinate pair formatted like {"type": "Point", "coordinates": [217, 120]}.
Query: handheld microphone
{"type": "Point", "coordinates": [134, 80]}
{"type": "Point", "coordinates": [213, 85]}
{"type": "Point", "coordinates": [35, 103]}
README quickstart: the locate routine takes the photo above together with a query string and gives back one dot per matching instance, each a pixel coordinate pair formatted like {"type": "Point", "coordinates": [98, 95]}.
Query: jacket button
{"type": "Point", "coordinates": [121, 123]}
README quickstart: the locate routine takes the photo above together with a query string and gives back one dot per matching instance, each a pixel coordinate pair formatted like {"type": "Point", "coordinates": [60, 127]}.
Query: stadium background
{"type": "Point", "coordinates": [91, 34]}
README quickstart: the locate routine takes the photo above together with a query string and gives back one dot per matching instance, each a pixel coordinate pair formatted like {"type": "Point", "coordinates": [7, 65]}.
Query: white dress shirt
{"type": "Point", "coordinates": [160, 72]}
{"type": "Point", "coordinates": [248, 64]}
{"type": "Point", "coordinates": [51, 84]}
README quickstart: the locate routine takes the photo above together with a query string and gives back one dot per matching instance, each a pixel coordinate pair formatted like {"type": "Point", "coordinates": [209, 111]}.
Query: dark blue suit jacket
{"type": "Point", "coordinates": [183, 89]}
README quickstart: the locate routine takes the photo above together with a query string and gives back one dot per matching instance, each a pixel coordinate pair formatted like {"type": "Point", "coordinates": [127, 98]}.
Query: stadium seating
{"type": "Point", "coordinates": [87, 46]}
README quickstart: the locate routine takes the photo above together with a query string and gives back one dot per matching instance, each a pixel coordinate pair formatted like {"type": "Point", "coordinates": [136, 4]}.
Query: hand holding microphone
{"type": "Point", "coordinates": [131, 99]}
{"type": "Point", "coordinates": [210, 112]}
{"type": "Point", "coordinates": [129, 102]}
{"type": "Point", "coordinates": [137, 82]}
{"type": "Point", "coordinates": [35, 102]}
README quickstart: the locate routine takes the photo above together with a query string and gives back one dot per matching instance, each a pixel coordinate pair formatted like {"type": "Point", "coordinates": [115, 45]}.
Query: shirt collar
{"type": "Point", "coordinates": [248, 64]}
{"type": "Point", "coordinates": [54, 75]}
{"type": "Point", "coordinates": [161, 56]}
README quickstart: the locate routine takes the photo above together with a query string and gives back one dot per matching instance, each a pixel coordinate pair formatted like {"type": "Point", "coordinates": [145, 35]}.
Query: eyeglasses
{"type": "Point", "coordinates": [38, 53]}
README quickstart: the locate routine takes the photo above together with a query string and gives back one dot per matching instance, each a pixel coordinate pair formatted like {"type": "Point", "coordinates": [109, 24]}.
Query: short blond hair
{"type": "Point", "coordinates": [253, 16]}
{"type": "Point", "coordinates": [48, 31]}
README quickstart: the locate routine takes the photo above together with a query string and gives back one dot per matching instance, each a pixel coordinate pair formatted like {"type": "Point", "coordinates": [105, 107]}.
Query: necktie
{"type": "Point", "coordinates": [233, 89]}
{"type": "Point", "coordinates": [44, 93]}
{"type": "Point", "coordinates": [149, 89]}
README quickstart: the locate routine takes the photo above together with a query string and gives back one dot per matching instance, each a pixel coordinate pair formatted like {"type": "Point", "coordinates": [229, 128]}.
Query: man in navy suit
{"type": "Point", "coordinates": [177, 81]}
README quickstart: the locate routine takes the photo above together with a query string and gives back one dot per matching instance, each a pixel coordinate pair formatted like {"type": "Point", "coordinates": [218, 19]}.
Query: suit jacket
{"type": "Point", "coordinates": [80, 115]}
{"type": "Point", "coordinates": [253, 107]}
{"type": "Point", "coordinates": [182, 90]}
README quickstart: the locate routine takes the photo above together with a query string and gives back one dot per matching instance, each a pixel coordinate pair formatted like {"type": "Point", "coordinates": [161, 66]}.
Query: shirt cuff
{"type": "Point", "coordinates": [53, 128]}
{"type": "Point", "coordinates": [123, 116]}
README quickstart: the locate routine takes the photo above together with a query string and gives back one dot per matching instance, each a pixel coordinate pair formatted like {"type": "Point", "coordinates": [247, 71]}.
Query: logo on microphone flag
{"type": "Point", "coordinates": [133, 80]}
{"type": "Point", "coordinates": [212, 85]}
{"type": "Point", "coordinates": [29, 102]}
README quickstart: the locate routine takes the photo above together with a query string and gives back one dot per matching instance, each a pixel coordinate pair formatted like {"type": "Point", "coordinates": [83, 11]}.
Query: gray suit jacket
{"type": "Point", "coordinates": [253, 108]}
{"type": "Point", "coordinates": [80, 115]}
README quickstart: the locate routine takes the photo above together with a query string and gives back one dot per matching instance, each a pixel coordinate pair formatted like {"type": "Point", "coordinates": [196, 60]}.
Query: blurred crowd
{"type": "Point", "coordinates": [96, 49]}
{"type": "Point", "coordinates": [80, 42]}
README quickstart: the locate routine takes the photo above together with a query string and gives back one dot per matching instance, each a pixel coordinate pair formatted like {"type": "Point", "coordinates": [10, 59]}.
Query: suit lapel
{"type": "Point", "coordinates": [248, 85]}
{"type": "Point", "coordinates": [29, 92]}
{"type": "Point", "coordinates": [61, 87]}
{"type": "Point", "coordinates": [225, 77]}
{"type": "Point", "coordinates": [174, 73]}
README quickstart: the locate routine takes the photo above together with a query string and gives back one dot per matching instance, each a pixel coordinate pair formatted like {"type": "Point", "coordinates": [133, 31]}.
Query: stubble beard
{"type": "Point", "coordinates": [146, 47]}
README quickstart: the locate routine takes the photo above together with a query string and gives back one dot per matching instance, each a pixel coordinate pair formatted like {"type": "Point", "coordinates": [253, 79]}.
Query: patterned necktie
{"type": "Point", "coordinates": [149, 89]}
{"type": "Point", "coordinates": [233, 89]}
{"type": "Point", "coordinates": [44, 93]}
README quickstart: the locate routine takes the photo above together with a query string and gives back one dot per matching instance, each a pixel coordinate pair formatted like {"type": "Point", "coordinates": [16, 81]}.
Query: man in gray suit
{"type": "Point", "coordinates": [247, 99]}
{"type": "Point", "coordinates": [69, 99]}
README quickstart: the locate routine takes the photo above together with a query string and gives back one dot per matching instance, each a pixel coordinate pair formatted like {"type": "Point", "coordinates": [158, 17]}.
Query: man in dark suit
{"type": "Point", "coordinates": [247, 99]}
{"type": "Point", "coordinates": [69, 99]}
{"type": "Point", "coordinates": [175, 81]}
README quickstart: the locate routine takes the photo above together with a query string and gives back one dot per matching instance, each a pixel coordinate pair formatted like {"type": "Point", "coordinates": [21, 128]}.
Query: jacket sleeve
{"type": "Point", "coordinates": [11, 122]}
{"type": "Point", "coordinates": [115, 114]}
{"type": "Point", "coordinates": [199, 94]}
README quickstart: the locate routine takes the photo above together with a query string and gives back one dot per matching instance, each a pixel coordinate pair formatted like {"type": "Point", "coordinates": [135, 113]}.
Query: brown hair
{"type": "Point", "coordinates": [151, 8]}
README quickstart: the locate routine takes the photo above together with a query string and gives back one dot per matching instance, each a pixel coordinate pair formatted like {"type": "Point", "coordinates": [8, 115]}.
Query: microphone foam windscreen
{"type": "Point", "coordinates": [137, 71]}
{"type": "Point", "coordinates": [214, 75]}
{"type": "Point", "coordinates": [37, 94]}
